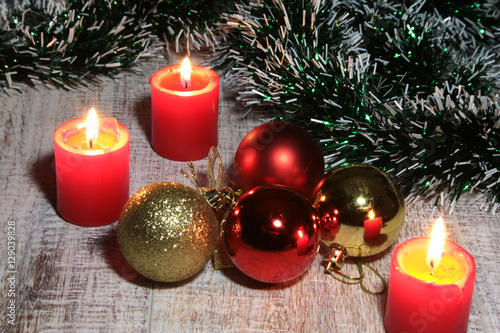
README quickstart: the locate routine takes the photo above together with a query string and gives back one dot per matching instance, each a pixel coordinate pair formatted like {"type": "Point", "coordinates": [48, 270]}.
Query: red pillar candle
{"type": "Point", "coordinates": [92, 171]}
{"type": "Point", "coordinates": [430, 297]}
{"type": "Point", "coordinates": [184, 112]}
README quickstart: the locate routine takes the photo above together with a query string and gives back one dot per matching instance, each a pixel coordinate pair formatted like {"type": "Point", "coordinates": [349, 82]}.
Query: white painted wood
{"type": "Point", "coordinates": [74, 279]}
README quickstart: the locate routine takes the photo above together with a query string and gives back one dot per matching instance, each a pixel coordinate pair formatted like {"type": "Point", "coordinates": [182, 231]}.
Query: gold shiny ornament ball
{"type": "Point", "coordinates": [167, 231]}
{"type": "Point", "coordinates": [344, 199]}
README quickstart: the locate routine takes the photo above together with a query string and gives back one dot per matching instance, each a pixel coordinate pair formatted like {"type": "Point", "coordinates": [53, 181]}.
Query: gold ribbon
{"type": "Point", "coordinates": [216, 181]}
{"type": "Point", "coordinates": [220, 197]}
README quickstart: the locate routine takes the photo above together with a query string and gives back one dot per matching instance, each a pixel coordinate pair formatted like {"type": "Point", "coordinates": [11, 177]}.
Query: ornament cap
{"type": "Point", "coordinates": [213, 197]}
{"type": "Point", "coordinates": [336, 257]}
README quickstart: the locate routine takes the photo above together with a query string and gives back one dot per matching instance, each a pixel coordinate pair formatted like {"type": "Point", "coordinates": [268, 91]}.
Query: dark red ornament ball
{"type": "Point", "coordinates": [281, 153]}
{"type": "Point", "coordinates": [272, 234]}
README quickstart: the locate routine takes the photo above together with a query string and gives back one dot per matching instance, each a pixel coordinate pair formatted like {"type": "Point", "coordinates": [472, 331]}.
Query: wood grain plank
{"type": "Point", "coordinates": [478, 233]}
{"type": "Point", "coordinates": [70, 278]}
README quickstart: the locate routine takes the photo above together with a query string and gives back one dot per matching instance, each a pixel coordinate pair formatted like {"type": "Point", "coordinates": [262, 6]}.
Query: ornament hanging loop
{"type": "Point", "coordinates": [219, 196]}
{"type": "Point", "coordinates": [360, 264]}
{"type": "Point", "coordinates": [336, 259]}
{"type": "Point", "coordinates": [191, 176]}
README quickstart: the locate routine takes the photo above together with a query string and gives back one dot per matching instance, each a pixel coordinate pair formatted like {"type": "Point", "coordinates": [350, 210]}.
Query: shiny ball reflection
{"type": "Point", "coordinates": [272, 234]}
{"type": "Point", "coordinates": [279, 152]}
{"type": "Point", "coordinates": [360, 207]}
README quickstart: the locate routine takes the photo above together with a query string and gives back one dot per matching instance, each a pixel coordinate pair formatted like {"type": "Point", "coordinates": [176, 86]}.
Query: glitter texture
{"type": "Point", "coordinates": [167, 231]}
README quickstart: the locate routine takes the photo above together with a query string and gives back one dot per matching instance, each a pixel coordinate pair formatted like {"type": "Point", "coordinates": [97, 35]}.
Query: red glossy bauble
{"type": "Point", "coordinates": [281, 153]}
{"type": "Point", "coordinates": [272, 234]}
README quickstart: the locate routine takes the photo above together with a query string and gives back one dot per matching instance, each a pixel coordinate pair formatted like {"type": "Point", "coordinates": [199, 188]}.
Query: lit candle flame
{"type": "Point", "coordinates": [92, 127]}
{"type": "Point", "coordinates": [277, 223]}
{"type": "Point", "coordinates": [371, 215]}
{"type": "Point", "coordinates": [436, 245]}
{"type": "Point", "coordinates": [186, 72]}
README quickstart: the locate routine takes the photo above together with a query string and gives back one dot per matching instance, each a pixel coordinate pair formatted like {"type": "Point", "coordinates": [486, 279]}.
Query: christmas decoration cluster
{"type": "Point", "coordinates": [407, 86]}
{"type": "Point", "coordinates": [271, 231]}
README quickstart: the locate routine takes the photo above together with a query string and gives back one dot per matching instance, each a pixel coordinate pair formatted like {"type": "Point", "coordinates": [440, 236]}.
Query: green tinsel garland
{"type": "Point", "coordinates": [404, 85]}
{"type": "Point", "coordinates": [394, 84]}
{"type": "Point", "coordinates": [75, 43]}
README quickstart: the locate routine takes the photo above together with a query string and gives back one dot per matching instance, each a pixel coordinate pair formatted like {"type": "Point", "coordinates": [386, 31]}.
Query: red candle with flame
{"type": "Point", "coordinates": [185, 105]}
{"type": "Point", "coordinates": [92, 170]}
{"type": "Point", "coordinates": [430, 286]}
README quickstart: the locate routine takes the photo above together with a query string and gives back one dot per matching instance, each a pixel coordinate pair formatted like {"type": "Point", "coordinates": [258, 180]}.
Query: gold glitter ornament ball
{"type": "Point", "coordinates": [167, 231]}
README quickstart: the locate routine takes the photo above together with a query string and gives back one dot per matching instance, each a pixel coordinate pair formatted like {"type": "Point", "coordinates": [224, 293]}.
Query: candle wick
{"type": "Point", "coordinates": [185, 84]}
{"type": "Point", "coordinates": [90, 143]}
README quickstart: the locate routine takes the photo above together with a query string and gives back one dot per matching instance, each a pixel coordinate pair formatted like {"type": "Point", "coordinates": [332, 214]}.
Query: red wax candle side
{"type": "Point", "coordinates": [92, 185]}
{"type": "Point", "coordinates": [184, 120]}
{"type": "Point", "coordinates": [414, 305]}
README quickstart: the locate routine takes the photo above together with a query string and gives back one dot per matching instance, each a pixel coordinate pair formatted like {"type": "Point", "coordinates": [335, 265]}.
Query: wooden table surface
{"type": "Point", "coordinates": [67, 278]}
